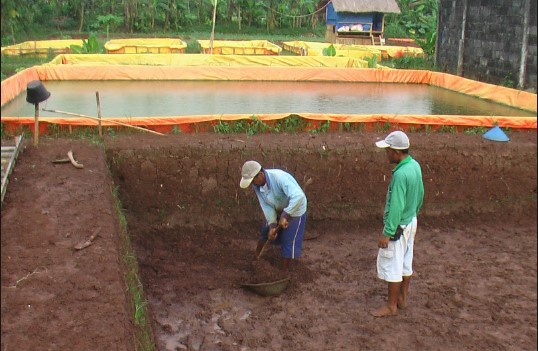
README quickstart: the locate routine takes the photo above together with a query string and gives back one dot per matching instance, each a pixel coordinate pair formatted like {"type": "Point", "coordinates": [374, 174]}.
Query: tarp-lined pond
{"type": "Point", "coordinates": [190, 98]}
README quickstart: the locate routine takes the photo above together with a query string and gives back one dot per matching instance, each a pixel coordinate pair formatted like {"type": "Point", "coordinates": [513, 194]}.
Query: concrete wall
{"type": "Point", "coordinates": [495, 48]}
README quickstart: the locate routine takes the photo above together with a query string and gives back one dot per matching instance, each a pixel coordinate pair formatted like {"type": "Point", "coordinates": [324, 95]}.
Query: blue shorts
{"type": "Point", "coordinates": [289, 239]}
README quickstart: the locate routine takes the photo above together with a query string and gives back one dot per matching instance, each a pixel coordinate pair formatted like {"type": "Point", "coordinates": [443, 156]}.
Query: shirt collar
{"type": "Point", "coordinates": [402, 162]}
{"type": "Point", "coordinates": [267, 184]}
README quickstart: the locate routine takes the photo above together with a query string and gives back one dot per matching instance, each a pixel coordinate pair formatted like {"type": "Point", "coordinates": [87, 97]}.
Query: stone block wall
{"type": "Point", "coordinates": [494, 35]}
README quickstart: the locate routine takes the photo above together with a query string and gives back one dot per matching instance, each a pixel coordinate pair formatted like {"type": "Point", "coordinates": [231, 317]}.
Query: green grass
{"type": "Point", "coordinates": [10, 65]}
{"type": "Point", "coordinates": [143, 334]}
{"type": "Point", "coordinates": [290, 124]}
{"type": "Point", "coordinates": [321, 128]}
{"type": "Point", "coordinates": [353, 127]}
{"type": "Point", "coordinates": [23, 130]}
{"type": "Point", "coordinates": [75, 132]}
{"type": "Point", "coordinates": [409, 62]}
{"type": "Point", "coordinates": [475, 130]}
{"type": "Point", "coordinates": [447, 129]}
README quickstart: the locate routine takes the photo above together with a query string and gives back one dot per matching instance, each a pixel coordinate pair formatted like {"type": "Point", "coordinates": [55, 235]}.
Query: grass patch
{"type": "Point", "coordinates": [409, 62]}
{"type": "Point", "coordinates": [143, 332]}
{"type": "Point", "coordinates": [321, 128]}
{"type": "Point", "coordinates": [290, 124]}
{"type": "Point", "coordinates": [447, 129]}
{"type": "Point", "coordinates": [10, 65]}
{"type": "Point", "coordinates": [21, 129]}
{"type": "Point", "coordinates": [475, 130]}
{"type": "Point", "coordinates": [353, 127]}
{"type": "Point", "coordinates": [89, 133]}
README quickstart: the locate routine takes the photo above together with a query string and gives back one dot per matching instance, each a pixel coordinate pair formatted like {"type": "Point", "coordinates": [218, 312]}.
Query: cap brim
{"type": "Point", "coordinates": [245, 182]}
{"type": "Point", "coordinates": [382, 144]}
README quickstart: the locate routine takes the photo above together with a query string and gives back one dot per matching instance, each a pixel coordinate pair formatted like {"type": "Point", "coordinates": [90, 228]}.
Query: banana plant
{"type": "Point", "coordinates": [90, 46]}
{"type": "Point", "coordinates": [419, 18]}
{"type": "Point", "coordinates": [329, 51]}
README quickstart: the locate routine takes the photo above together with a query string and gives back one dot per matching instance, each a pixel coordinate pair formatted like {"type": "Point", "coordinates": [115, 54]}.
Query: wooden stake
{"type": "Point", "coordinates": [99, 113]}
{"type": "Point", "coordinates": [36, 125]}
{"type": "Point", "coordinates": [94, 118]}
{"type": "Point", "coordinates": [212, 36]}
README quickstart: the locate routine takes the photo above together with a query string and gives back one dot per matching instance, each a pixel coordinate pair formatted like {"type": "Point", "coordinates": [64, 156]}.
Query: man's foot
{"type": "Point", "coordinates": [384, 311]}
{"type": "Point", "coordinates": [402, 304]}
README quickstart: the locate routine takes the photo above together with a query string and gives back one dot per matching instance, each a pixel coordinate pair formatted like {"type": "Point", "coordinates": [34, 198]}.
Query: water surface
{"type": "Point", "coordinates": [189, 98]}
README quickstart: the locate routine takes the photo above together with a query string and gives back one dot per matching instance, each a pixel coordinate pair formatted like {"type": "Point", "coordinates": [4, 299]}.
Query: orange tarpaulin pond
{"type": "Point", "coordinates": [41, 47]}
{"type": "Point", "coordinates": [258, 70]}
{"type": "Point", "coordinates": [239, 47]}
{"type": "Point", "coordinates": [146, 45]}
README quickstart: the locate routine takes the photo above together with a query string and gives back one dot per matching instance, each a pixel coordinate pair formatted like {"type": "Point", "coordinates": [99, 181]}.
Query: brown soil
{"type": "Point", "coordinates": [194, 232]}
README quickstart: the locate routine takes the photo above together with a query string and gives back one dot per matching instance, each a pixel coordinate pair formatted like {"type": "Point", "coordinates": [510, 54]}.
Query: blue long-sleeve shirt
{"type": "Point", "coordinates": [280, 194]}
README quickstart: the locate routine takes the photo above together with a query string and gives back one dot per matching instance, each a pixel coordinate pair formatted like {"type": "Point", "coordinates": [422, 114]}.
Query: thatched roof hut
{"type": "Point", "coordinates": [358, 21]}
{"type": "Point", "coordinates": [362, 6]}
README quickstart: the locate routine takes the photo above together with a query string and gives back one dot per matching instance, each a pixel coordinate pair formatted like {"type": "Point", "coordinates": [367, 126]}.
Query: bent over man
{"type": "Point", "coordinates": [283, 203]}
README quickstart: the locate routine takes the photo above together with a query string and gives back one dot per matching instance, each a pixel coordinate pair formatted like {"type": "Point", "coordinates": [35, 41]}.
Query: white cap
{"type": "Point", "coordinates": [249, 171]}
{"type": "Point", "coordinates": [396, 140]}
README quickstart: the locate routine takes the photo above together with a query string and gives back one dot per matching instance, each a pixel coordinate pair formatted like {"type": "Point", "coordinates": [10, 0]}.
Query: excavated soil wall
{"type": "Point", "coordinates": [194, 231]}
{"type": "Point", "coordinates": [188, 181]}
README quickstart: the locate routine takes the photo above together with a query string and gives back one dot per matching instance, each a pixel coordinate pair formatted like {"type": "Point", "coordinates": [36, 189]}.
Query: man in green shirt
{"type": "Point", "coordinates": [404, 200]}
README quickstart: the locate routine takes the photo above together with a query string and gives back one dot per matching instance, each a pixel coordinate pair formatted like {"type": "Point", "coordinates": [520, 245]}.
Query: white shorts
{"type": "Point", "coordinates": [396, 261]}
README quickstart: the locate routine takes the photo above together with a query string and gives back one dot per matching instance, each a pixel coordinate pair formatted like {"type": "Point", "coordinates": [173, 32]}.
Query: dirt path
{"type": "Point", "coordinates": [53, 296]}
{"type": "Point", "coordinates": [474, 286]}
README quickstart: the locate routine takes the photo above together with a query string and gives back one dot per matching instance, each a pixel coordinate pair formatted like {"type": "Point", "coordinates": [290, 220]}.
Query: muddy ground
{"type": "Point", "coordinates": [194, 233]}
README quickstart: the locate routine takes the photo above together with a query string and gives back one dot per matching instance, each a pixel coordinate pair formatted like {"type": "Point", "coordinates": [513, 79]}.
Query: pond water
{"type": "Point", "coordinates": [190, 98]}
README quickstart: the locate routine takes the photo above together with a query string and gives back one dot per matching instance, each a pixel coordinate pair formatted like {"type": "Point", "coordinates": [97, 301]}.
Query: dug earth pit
{"type": "Point", "coordinates": [194, 232]}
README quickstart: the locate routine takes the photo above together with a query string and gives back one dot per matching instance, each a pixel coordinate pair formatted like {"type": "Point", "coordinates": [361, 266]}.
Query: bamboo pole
{"type": "Point", "coordinates": [524, 47]}
{"type": "Point", "coordinates": [212, 36]}
{"type": "Point", "coordinates": [461, 46]}
{"type": "Point", "coordinates": [99, 113]}
{"type": "Point", "coordinates": [97, 119]}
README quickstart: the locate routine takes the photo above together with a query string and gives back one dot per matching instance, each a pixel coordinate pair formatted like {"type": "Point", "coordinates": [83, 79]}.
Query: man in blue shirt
{"type": "Point", "coordinates": [283, 203]}
{"type": "Point", "coordinates": [403, 202]}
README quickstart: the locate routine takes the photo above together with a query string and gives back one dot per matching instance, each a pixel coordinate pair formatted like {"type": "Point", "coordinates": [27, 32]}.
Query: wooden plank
{"type": "Point", "coordinates": [10, 166]}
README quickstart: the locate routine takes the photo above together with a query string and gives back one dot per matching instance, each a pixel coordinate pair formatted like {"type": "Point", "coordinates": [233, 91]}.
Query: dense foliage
{"type": "Point", "coordinates": [24, 18]}
{"type": "Point", "coordinates": [149, 16]}
{"type": "Point", "coordinates": [418, 18]}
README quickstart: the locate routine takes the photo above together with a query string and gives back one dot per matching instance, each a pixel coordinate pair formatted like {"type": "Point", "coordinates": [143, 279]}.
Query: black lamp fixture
{"type": "Point", "coordinates": [36, 92]}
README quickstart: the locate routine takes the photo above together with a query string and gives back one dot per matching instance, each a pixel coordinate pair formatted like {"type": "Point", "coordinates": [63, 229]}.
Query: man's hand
{"type": "Point", "coordinates": [273, 233]}
{"type": "Point", "coordinates": [383, 242]}
{"type": "Point", "coordinates": [283, 222]}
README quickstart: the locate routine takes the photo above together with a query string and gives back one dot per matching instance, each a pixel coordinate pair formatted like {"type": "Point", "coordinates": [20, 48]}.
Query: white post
{"type": "Point", "coordinates": [462, 40]}
{"type": "Point", "coordinates": [524, 46]}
